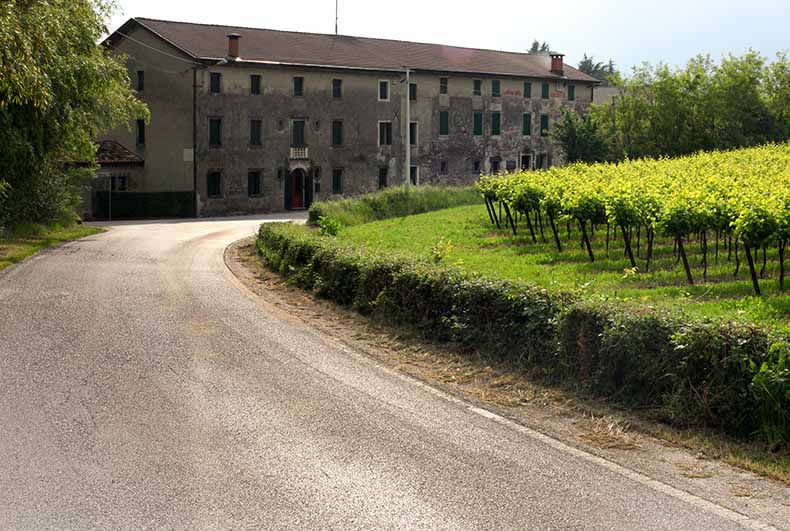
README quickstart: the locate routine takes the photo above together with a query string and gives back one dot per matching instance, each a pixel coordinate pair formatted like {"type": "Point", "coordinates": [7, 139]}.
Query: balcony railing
{"type": "Point", "coordinates": [299, 153]}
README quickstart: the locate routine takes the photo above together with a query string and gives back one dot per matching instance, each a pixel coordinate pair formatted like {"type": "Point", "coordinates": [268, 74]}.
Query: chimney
{"type": "Point", "coordinates": [233, 46]}
{"type": "Point", "coordinates": [556, 64]}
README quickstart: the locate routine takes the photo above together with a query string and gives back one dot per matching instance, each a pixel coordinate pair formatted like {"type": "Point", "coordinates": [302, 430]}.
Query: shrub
{"type": "Point", "coordinates": [392, 202]}
{"type": "Point", "coordinates": [328, 226]}
{"type": "Point", "coordinates": [730, 376]}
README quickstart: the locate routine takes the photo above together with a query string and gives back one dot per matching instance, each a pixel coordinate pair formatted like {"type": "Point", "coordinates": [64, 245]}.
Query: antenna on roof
{"type": "Point", "coordinates": [335, 17]}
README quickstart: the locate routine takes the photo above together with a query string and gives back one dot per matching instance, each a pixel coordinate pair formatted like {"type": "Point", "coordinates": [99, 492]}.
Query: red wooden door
{"type": "Point", "coordinates": [297, 189]}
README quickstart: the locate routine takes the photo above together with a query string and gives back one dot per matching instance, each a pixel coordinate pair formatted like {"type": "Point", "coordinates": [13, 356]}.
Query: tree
{"type": "Point", "coordinates": [580, 137]}
{"type": "Point", "coordinates": [539, 47]}
{"type": "Point", "coordinates": [58, 90]}
{"type": "Point", "coordinates": [598, 70]}
{"type": "Point", "coordinates": [663, 111]}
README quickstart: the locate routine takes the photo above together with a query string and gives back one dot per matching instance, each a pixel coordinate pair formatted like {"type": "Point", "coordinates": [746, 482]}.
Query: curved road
{"type": "Point", "coordinates": [140, 387]}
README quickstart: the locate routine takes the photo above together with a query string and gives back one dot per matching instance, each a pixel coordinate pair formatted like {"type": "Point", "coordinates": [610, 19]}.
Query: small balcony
{"type": "Point", "coordinates": [298, 153]}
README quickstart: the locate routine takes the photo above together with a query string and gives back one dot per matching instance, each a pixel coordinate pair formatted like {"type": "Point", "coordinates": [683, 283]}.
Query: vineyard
{"type": "Point", "coordinates": [718, 206]}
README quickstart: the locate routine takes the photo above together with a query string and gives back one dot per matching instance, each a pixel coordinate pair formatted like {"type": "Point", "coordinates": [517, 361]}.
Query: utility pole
{"type": "Point", "coordinates": [336, 17]}
{"type": "Point", "coordinates": [407, 169]}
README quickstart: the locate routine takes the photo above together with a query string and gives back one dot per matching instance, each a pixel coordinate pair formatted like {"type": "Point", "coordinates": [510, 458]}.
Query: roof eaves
{"type": "Point", "coordinates": [243, 61]}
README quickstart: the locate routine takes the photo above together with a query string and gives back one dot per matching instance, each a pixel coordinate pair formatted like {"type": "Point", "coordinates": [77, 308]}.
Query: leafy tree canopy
{"type": "Point", "coordinates": [662, 111]}
{"type": "Point", "coordinates": [598, 69]}
{"type": "Point", "coordinates": [539, 47]}
{"type": "Point", "coordinates": [58, 90]}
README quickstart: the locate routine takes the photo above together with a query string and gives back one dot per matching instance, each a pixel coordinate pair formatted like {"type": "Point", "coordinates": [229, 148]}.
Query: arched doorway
{"type": "Point", "coordinates": [295, 189]}
{"type": "Point", "coordinates": [299, 189]}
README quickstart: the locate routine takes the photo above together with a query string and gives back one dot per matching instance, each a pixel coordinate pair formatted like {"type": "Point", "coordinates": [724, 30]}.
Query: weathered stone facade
{"type": "Point", "coordinates": [231, 167]}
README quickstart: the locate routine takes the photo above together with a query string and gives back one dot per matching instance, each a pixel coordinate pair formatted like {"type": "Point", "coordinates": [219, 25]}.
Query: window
{"type": "Point", "coordinates": [476, 166]}
{"type": "Point", "coordinates": [140, 80]}
{"type": "Point", "coordinates": [525, 162]}
{"type": "Point", "coordinates": [414, 134]}
{"type": "Point", "coordinates": [496, 88]}
{"type": "Point", "coordinates": [216, 82]}
{"type": "Point", "coordinates": [526, 126]}
{"type": "Point", "coordinates": [215, 131]}
{"type": "Point", "coordinates": [255, 132]}
{"type": "Point", "coordinates": [571, 92]}
{"type": "Point", "coordinates": [337, 132]}
{"type": "Point", "coordinates": [527, 89]}
{"type": "Point", "coordinates": [442, 85]}
{"type": "Point", "coordinates": [477, 87]}
{"type": "Point", "coordinates": [478, 124]}
{"type": "Point", "coordinates": [544, 91]}
{"type": "Point", "coordinates": [297, 133]}
{"type": "Point", "coordinates": [140, 132]}
{"type": "Point", "coordinates": [253, 183]}
{"type": "Point", "coordinates": [443, 167]}
{"type": "Point", "coordinates": [412, 91]}
{"type": "Point", "coordinates": [383, 171]}
{"type": "Point", "coordinates": [496, 123]}
{"type": "Point", "coordinates": [337, 88]}
{"type": "Point", "coordinates": [255, 84]}
{"type": "Point", "coordinates": [544, 125]}
{"type": "Point", "coordinates": [384, 90]}
{"type": "Point", "coordinates": [444, 123]}
{"type": "Point", "coordinates": [337, 181]}
{"type": "Point", "coordinates": [385, 133]}
{"type": "Point", "coordinates": [414, 175]}
{"type": "Point", "coordinates": [214, 184]}
{"type": "Point", "coordinates": [541, 162]}
{"type": "Point", "coordinates": [119, 183]}
{"type": "Point", "coordinates": [298, 86]}
{"type": "Point", "coordinates": [494, 164]}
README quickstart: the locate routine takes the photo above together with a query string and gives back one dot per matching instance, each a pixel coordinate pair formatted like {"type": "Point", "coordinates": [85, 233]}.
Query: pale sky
{"type": "Point", "coordinates": [629, 32]}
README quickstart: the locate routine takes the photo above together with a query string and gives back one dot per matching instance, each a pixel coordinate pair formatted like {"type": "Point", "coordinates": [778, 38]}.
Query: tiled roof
{"type": "Point", "coordinates": [111, 152]}
{"type": "Point", "coordinates": [208, 41]}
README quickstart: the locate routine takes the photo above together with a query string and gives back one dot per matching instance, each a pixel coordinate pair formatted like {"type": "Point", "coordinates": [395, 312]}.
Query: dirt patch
{"type": "Point", "coordinates": [691, 461]}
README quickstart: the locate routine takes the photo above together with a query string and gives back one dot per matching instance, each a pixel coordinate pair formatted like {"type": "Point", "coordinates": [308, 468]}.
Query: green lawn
{"type": "Point", "coordinates": [478, 246]}
{"type": "Point", "coordinates": [27, 240]}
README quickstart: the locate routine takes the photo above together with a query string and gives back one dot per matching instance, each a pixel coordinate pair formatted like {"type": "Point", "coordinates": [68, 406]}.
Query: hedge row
{"type": "Point", "coordinates": [393, 202]}
{"type": "Point", "coordinates": [730, 376]}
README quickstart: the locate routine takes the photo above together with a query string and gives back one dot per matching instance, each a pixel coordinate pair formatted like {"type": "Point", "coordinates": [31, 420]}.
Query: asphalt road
{"type": "Point", "coordinates": [140, 387]}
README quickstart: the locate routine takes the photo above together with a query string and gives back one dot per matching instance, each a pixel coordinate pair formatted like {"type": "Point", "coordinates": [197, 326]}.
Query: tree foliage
{"type": "Point", "coordinates": [598, 70]}
{"type": "Point", "coordinates": [580, 137]}
{"type": "Point", "coordinates": [742, 101]}
{"type": "Point", "coordinates": [58, 90]}
{"type": "Point", "coordinates": [539, 47]}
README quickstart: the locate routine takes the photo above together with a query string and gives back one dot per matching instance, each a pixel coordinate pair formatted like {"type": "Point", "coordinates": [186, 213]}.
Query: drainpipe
{"type": "Point", "coordinates": [407, 169]}
{"type": "Point", "coordinates": [194, 141]}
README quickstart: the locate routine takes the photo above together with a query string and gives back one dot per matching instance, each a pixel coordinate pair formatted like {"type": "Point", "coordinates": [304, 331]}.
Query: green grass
{"type": "Point", "coordinates": [392, 202]}
{"type": "Point", "coordinates": [26, 240]}
{"type": "Point", "coordinates": [479, 247]}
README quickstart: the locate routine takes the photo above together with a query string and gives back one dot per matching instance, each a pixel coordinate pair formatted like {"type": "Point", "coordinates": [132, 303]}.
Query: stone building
{"type": "Point", "coordinates": [248, 119]}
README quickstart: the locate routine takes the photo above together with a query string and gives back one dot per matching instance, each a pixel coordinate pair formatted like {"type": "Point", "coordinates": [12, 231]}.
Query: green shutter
{"type": "Point", "coordinates": [444, 123]}
{"type": "Point", "coordinates": [544, 125]}
{"type": "Point", "coordinates": [495, 123]}
{"type": "Point", "coordinates": [478, 123]}
{"type": "Point", "coordinates": [544, 91]}
{"type": "Point", "coordinates": [496, 89]}
{"type": "Point", "coordinates": [571, 92]}
{"type": "Point", "coordinates": [526, 128]}
{"type": "Point", "coordinates": [527, 89]}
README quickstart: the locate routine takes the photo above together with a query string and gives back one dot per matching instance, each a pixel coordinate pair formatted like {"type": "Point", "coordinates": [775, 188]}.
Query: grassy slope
{"type": "Point", "coordinates": [29, 239]}
{"type": "Point", "coordinates": [479, 247]}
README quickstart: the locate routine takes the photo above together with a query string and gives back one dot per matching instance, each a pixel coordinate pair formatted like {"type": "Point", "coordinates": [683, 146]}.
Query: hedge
{"type": "Point", "coordinates": [729, 376]}
{"type": "Point", "coordinates": [393, 202]}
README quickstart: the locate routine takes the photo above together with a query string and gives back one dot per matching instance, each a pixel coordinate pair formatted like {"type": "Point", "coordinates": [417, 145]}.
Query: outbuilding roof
{"type": "Point", "coordinates": [111, 153]}
{"type": "Point", "coordinates": [207, 41]}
